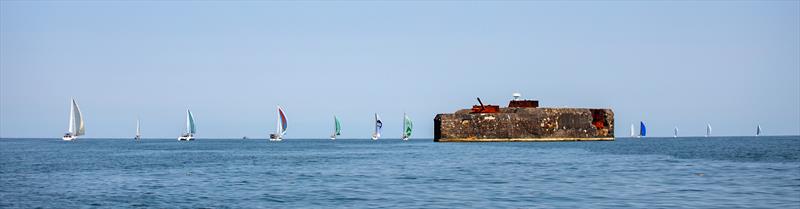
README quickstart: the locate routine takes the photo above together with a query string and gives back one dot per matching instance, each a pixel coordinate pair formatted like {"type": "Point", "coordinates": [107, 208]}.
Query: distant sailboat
{"type": "Point", "coordinates": [407, 127]}
{"type": "Point", "coordinates": [378, 126]}
{"type": "Point", "coordinates": [337, 128]}
{"type": "Point", "coordinates": [675, 132]}
{"type": "Point", "coordinates": [633, 131]}
{"type": "Point", "coordinates": [758, 130]}
{"type": "Point", "coordinates": [642, 129]}
{"type": "Point", "coordinates": [191, 129]}
{"type": "Point", "coordinates": [76, 126]}
{"type": "Point", "coordinates": [282, 125]}
{"type": "Point", "coordinates": [708, 129]}
{"type": "Point", "coordinates": [138, 131]}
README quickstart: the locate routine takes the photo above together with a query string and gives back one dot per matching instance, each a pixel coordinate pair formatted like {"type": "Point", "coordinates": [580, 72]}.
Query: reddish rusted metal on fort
{"type": "Point", "coordinates": [524, 103]}
{"type": "Point", "coordinates": [485, 109]}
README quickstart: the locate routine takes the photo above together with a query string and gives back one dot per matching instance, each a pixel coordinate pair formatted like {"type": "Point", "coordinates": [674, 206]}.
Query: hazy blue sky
{"type": "Point", "coordinates": [732, 64]}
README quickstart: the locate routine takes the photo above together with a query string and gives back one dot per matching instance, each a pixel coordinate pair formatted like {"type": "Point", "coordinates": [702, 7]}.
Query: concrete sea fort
{"type": "Point", "coordinates": [524, 121]}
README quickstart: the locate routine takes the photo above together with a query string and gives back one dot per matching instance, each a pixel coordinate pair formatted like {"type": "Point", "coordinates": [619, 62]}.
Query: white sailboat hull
{"type": "Point", "coordinates": [69, 137]}
{"type": "Point", "coordinates": [186, 138]}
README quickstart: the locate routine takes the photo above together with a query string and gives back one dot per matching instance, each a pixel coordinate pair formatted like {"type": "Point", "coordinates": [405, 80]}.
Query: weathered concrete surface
{"type": "Point", "coordinates": [525, 124]}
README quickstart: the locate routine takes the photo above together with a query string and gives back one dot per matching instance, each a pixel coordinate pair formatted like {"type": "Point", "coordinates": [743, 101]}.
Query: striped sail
{"type": "Point", "coordinates": [283, 122]}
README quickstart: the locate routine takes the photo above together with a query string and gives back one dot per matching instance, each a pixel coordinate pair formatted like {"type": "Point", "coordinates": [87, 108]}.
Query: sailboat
{"type": "Point", "coordinates": [76, 126]}
{"type": "Point", "coordinates": [633, 131]}
{"type": "Point", "coordinates": [758, 130]}
{"type": "Point", "coordinates": [378, 125]}
{"type": "Point", "coordinates": [337, 128]}
{"type": "Point", "coordinates": [708, 129]}
{"type": "Point", "coordinates": [407, 127]}
{"type": "Point", "coordinates": [675, 132]}
{"type": "Point", "coordinates": [138, 132]}
{"type": "Point", "coordinates": [281, 126]}
{"type": "Point", "coordinates": [642, 129]}
{"type": "Point", "coordinates": [190, 128]}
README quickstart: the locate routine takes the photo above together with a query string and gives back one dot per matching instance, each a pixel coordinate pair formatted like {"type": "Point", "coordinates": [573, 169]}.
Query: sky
{"type": "Point", "coordinates": [732, 64]}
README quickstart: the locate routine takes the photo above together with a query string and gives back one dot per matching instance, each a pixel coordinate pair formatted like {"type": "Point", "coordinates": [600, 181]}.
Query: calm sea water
{"type": "Point", "coordinates": [716, 172]}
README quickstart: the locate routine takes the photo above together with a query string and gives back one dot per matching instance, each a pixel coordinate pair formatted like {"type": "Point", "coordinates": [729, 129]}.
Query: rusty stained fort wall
{"type": "Point", "coordinates": [526, 124]}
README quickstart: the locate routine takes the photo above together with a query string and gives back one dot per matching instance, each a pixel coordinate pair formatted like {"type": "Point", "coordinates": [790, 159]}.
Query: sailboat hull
{"type": "Point", "coordinates": [275, 138]}
{"type": "Point", "coordinates": [68, 137]}
{"type": "Point", "coordinates": [186, 138]}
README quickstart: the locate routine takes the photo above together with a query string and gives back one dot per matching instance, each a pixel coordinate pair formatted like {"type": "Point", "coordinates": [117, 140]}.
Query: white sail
{"type": "Point", "coordinates": [71, 128]}
{"type": "Point", "coordinates": [708, 130]}
{"type": "Point", "coordinates": [758, 130]}
{"type": "Point", "coordinates": [633, 132]}
{"type": "Point", "coordinates": [675, 132]}
{"type": "Point", "coordinates": [407, 127]}
{"type": "Point", "coordinates": [81, 129]}
{"type": "Point", "coordinates": [278, 129]}
{"type": "Point", "coordinates": [138, 129]}
{"type": "Point", "coordinates": [190, 126]}
{"type": "Point", "coordinates": [378, 124]}
{"type": "Point", "coordinates": [76, 126]}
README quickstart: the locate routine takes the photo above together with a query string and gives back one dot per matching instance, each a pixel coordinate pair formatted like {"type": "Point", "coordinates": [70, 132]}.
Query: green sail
{"type": "Point", "coordinates": [408, 126]}
{"type": "Point", "coordinates": [338, 126]}
{"type": "Point", "coordinates": [192, 128]}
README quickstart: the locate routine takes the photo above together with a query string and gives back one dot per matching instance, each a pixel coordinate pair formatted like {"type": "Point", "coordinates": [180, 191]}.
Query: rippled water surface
{"type": "Point", "coordinates": [641, 173]}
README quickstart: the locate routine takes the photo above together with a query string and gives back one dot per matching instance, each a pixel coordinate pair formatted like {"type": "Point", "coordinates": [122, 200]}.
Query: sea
{"type": "Point", "coordinates": [715, 172]}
